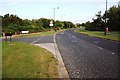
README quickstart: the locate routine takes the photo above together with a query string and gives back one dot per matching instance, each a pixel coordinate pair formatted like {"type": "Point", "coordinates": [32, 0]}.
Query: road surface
{"type": "Point", "coordinates": [84, 56]}
{"type": "Point", "coordinates": [88, 57]}
{"type": "Point", "coordinates": [35, 40]}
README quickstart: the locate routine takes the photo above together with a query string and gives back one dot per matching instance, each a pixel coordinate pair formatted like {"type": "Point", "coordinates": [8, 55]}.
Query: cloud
{"type": "Point", "coordinates": [12, 3]}
{"type": "Point", "coordinates": [58, 0]}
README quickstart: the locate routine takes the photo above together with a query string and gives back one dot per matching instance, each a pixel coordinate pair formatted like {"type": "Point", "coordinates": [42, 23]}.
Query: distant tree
{"type": "Point", "coordinates": [12, 23]}
{"type": "Point", "coordinates": [88, 25]}
{"type": "Point", "coordinates": [97, 24]}
{"type": "Point", "coordinates": [58, 24]}
{"type": "Point", "coordinates": [78, 25]}
{"type": "Point", "coordinates": [68, 24]}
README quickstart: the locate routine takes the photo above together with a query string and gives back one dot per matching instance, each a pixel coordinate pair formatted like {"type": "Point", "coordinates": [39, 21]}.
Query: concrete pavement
{"type": "Point", "coordinates": [52, 47]}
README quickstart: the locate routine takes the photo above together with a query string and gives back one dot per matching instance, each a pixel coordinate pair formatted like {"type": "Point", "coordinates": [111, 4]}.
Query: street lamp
{"type": "Point", "coordinates": [105, 18]}
{"type": "Point", "coordinates": [54, 14]}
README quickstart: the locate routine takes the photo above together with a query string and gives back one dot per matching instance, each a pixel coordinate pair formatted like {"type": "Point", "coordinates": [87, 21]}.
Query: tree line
{"type": "Point", "coordinates": [98, 23]}
{"type": "Point", "coordinates": [14, 24]}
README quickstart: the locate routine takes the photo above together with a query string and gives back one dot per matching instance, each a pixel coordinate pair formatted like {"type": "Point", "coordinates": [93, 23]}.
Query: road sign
{"type": "Point", "coordinates": [51, 24]}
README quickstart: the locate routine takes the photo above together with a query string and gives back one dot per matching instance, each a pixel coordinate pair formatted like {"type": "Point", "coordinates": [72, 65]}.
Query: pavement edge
{"type": "Point", "coordinates": [61, 67]}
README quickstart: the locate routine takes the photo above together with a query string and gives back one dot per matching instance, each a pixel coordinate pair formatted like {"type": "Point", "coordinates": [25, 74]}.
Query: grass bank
{"type": "Point", "coordinates": [112, 35]}
{"type": "Point", "coordinates": [22, 60]}
{"type": "Point", "coordinates": [39, 33]}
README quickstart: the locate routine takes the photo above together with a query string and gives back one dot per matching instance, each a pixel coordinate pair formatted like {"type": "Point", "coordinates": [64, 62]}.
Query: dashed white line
{"type": "Point", "coordinates": [74, 41]}
{"type": "Point", "coordinates": [104, 49]}
{"type": "Point", "coordinates": [113, 53]}
{"type": "Point", "coordinates": [95, 45]}
{"type": "Point", "coordinates": [61, 33]}
{"type": "Point", "coordinates": [71, 35]}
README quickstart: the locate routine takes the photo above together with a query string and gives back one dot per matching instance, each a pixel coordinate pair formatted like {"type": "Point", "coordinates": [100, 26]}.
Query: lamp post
{"type": "Point", "coordinates": [54, 14]}
{"type": "Point", "coordinates": [105, 18]}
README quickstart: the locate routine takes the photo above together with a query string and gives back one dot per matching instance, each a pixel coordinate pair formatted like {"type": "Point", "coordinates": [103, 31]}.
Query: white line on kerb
{"type": "Point", "coordinates": [36, 40]}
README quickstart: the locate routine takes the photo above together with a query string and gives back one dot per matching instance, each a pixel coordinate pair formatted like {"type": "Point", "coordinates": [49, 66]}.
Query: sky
{"type": "Point", "coordinates": [76, 11]}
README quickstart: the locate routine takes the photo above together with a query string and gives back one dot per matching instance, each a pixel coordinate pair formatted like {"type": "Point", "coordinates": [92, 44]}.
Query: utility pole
{"type": "Point", "coordinates": [54, 15]}
{"type": "Point", "coordinates": [105, 18]}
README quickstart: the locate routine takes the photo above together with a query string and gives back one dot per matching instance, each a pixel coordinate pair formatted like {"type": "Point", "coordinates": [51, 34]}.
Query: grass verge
{"type": "Point", "coordinates": [110, 35]}
{"type": "Point", "coordinates": [40, 33]}
{"type": "Point", "coordinates": [22, 60]}
{"type": "Point", "coordinates": [37, 34]}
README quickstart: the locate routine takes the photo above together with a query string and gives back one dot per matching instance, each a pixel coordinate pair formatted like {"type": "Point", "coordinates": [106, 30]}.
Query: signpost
{"type": "Point", "coordinates": [105, 18]}
{"type": "Point", "coordinates": [8, 34]}
{"type": "Point", "coordinates": [51, 23]}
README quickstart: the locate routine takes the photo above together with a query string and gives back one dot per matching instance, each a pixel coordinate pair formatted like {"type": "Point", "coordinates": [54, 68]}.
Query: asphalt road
{"type": "Point", "coordinates": [88, 57]}
{"type": "Point", "coordinates": [34, 40]}
{"type": "Point", "coordinates": [84, 56]}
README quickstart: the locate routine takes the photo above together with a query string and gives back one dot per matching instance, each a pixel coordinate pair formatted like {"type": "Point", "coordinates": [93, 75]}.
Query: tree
{"type": "Point", "coordinates": [12, 23]}
{"type": "Point", "coordinates": [97, 24]}
{"type": "Point", "coordinates": [113, 15]}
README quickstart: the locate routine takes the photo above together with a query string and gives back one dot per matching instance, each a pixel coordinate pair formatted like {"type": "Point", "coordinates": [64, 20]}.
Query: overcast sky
{"type": "Point", "coordinates": [77, 11]}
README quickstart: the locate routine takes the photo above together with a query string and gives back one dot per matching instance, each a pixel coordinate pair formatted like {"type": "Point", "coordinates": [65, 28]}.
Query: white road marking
{"type": "Point", "coordinates": [36, 40]}
{"type": "Point", "coordinates": [96, 42]}
{"type": "Point", "coordinates": [74, 41]}
{"type": "Point", "coordinates": [113, 53]}
{"type": "Point", "coordinates": [71, 35]}
{"type": "Point", "coordinates": [93, 44]}
{"type": "Point", "coordinates": [104, 49]}
{"type": "Point", "coordinates": [99, 47]}
{"type": "Point", "coordinates": [61, 33]}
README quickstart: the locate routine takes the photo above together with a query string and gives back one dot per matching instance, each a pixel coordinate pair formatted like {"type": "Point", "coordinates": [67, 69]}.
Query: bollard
{"type": "Point", "coordinates": [106, 30]}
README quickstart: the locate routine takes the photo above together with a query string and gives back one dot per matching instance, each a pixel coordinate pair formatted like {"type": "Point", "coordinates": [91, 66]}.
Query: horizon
{"type": "Point", "coordinates": [76, 12]}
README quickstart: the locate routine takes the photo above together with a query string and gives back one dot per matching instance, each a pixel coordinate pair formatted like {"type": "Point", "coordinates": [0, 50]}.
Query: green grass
{"type": "Point", "coordinates": [37, 34]}
{"type": "Point", "coordinates": [22, 60]}
{"type": "Point", "coordinates": [112, 35]}
{"type": "Point", "coordinates": [40, 33]}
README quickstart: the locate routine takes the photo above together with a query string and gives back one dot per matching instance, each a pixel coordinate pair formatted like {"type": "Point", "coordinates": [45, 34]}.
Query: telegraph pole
{"type": "Point", "coordinates": [105, 18]}
{"type": "Point", "coordinates": [54, 15]}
